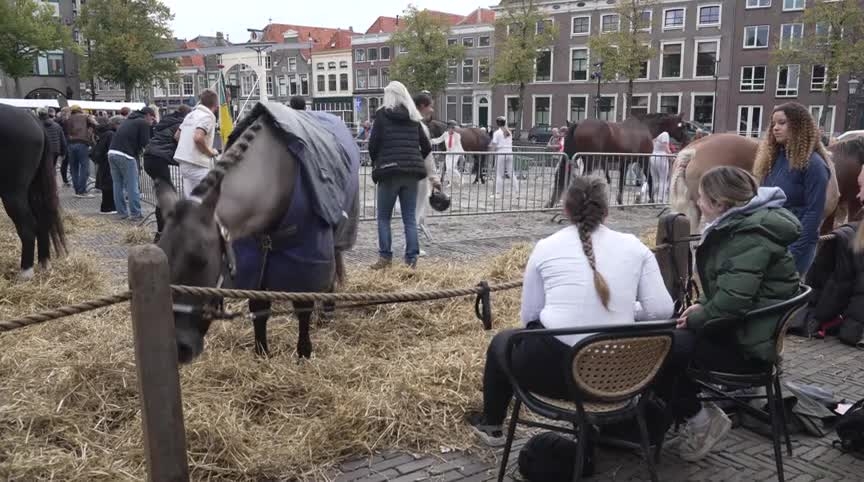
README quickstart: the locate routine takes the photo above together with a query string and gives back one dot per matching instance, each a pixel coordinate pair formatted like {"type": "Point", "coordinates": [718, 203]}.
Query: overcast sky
{"type": "Point", "coordinates": [206, 17]}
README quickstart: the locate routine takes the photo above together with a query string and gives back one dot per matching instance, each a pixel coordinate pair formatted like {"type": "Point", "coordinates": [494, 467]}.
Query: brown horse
{"type": "Point", "coordinates": [473, 140]}
{"type": "Point", "coordinates": [848, 159]}
{"type": "Point", "coordinates": [633, 136]}
{"type": "Point", "coordinates": [726, 150]}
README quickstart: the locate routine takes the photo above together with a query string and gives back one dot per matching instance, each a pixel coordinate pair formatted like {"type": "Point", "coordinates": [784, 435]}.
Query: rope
{"type": "Point", "coordinates": [64, 311]}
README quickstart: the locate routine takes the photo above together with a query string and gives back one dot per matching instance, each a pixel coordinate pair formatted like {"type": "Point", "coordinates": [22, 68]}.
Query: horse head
{"type": "Point", "coordinates": [436, 128]}
{"type": "Point", "coordinates": [673, 124]}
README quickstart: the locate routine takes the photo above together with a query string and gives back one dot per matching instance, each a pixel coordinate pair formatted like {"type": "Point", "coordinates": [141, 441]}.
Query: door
{"type": "Point", "coordinates": [483, 112]}
{"type": "Point", "coordinates": [750, 120]}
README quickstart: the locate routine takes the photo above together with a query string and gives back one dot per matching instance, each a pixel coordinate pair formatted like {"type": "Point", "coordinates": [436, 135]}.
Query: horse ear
{"type": "Point", "coordinates": [166, 196]}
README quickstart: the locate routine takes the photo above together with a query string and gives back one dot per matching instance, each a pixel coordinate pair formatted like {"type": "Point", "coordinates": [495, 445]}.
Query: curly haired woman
{"type": "Point", "coordinates": [793, 158]}
{"type": "Point", "coordinates": [585, 274]}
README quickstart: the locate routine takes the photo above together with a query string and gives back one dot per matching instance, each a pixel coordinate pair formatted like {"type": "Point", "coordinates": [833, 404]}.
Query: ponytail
{"type": "Point", "coordinates": [588, 248]}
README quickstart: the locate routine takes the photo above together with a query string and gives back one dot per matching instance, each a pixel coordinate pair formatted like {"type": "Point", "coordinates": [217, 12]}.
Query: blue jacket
{"type": "Point", "coordinates": [805, 196]}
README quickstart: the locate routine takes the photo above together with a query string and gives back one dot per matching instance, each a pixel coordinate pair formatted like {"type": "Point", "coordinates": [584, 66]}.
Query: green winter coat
{"type": "Point", "coordinates": [744, 263]}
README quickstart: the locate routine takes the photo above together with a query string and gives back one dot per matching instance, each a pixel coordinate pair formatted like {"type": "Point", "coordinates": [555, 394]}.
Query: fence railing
{"type": "Point", "coordinates": [628, 175]}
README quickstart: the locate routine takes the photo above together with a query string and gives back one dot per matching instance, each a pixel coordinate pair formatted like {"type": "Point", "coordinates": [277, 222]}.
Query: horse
{"type": "Point", "coordinates": [279, 208]}
{"type": "Point", "coordinates": [473, 140]}
{"type": "Point", "coordinates": [728, 150]}
{"type": "Point", "coordinates": [633, 136]}
{"type": "Point", "coordinates": [28, 188]}
{"type": "Point", "coordinates": [848, 157]}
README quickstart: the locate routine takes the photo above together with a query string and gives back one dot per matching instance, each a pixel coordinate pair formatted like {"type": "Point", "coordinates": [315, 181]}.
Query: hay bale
{"type": "Point", "coordinates": [137, 235]}
{"type": "Point", "coordinates": [396, 376]}
{"type": "Point", "coordinates": [649, 237]}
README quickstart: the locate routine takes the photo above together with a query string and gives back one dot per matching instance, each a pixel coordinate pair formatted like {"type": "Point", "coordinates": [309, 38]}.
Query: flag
{"type": "Point", "coordinates": [226, 125]}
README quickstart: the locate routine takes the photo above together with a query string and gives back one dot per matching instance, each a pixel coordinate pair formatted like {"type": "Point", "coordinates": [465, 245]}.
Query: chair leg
{"type": "Point", "coordinates": [582, 428]}
{"type": "Point", "coordinates": [775, 430]}
{"type": "Point", "coordinates": [511, 432]}
{"type": "Point", "coordinates": [778, 392]}
{"type": "Point", "coordinates": [646, 442]}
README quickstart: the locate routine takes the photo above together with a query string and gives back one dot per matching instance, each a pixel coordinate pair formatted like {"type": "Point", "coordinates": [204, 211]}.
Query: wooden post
{"type": "Point", "coordinates": [673, 229]}
{"type": "Point", "coordinates": [156, 359]}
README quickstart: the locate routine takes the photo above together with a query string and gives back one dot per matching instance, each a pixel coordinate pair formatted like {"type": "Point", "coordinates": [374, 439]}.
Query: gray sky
{"type": "Point", "coordinates": [206, 17]}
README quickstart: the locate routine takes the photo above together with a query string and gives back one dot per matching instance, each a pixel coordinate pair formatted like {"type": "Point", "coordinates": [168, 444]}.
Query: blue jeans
{"type": "Point", "coordinates": [79, 166]}
{"type": "Point", "coordinates": [405, 189]}
{"type": "Point", "coordinates": [124, 174]}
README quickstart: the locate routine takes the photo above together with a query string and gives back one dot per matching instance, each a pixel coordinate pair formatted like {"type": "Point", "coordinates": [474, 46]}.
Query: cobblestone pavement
{"type": "Point", "coordinates": [742, 456]}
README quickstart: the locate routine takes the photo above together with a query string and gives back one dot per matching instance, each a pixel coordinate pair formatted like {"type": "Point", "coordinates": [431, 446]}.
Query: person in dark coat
{"type": "Point", "coordinates": [397, 147]}
{"type": "Point", "coordinates": [104, 182]}
{"type": "Point", "coordinates": [56, 137]}
{"type": "Point", "coordinates": [159, 154]}
{"type": "Point", "coordinates": [127, 145]}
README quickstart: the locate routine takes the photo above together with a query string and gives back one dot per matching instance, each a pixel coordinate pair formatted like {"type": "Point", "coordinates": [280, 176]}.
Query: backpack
{"type": "Point", "coordinates": [850, 429]}
{"type": "Point", "coordinates": [551, 457]}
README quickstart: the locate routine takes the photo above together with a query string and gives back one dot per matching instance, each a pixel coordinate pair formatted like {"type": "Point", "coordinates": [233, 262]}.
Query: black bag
{"type": "Point", "coordinates": [850, 428]}
{"type": "Point", "coordinates": [551, 457]}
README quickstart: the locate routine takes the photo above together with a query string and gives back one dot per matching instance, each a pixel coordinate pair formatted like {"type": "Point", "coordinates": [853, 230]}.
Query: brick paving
{"type": "Point", "coordinates": [742, 456]}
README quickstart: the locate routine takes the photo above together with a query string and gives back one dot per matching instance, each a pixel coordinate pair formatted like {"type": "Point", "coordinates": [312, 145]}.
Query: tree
{"type": "Point", "coordinates": [27, 29]}
{"type": "Point", "coordinates": [523, 34]}
{"type": "Point", "coordinates": [124, 36]}
{"type": "Point", "coordinates": [423, 41]}
{"type": "Point", "coordinates": [833, 44]}
{"type": "Point", "coordinates": [624, 53]}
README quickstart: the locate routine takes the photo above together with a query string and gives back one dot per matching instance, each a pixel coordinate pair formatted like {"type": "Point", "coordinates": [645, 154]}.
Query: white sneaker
{"type": "Point", "coordinates": [422, 253]}
{"type": "Point", "coordinates": [697, 441]}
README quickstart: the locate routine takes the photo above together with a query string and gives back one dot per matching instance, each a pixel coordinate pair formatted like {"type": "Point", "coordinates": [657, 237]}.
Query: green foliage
{"type": "Point", "coordinates": [125, 34]}
{"type": "Point", "coordinates": [424, 64]}
{"type": "Point", "coordinates": [28, 28]}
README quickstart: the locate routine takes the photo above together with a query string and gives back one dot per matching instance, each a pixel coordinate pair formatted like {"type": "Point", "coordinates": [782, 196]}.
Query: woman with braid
{"type": "Point", "coordinates": [585, 274]}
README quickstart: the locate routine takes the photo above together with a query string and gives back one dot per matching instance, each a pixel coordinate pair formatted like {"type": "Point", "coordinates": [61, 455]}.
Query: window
{"type": "Point", "coordinates": [467, 71]}
{"type": "Point", "coordinates": [403, 49]}
{"type": "Point", "coordinates": [756, 37]}
{"type": "Point", "coordinates": [484, 41]}
{"type": "Point", "coordinates": [709, 16]}
{"type": "Point", "coordinates": [385, 76]}
{"type": "Point", "coordinates": [543, 72]}
{"type": "Point", "coordinates": [609, 23]}
{"type": "Point", "coordinates": [174, 87]}
{"type": "Point", "coordinates": [268, 62]}
{"type": "Point", "coordinates": [706, 58]}
{"type": "Point", "coordinates": [828, 125]}
{"type": "Point", "coordinates": [510, 108]}
{"type": "Point", "coordinates": [360, 78]}
{"type": "Point", "coordinates": [269, 86]}
{"type": "Point", "coordinates": [703, 109]}
{"type": "Point", "coordinates": [608, 108]}
{"type": "Point", "coordinates": [817, 78]}
{"type": "Point", "coordinates": [793, 5]}
{"type": "Point", "coordinates": [468, 42]}
{"type": "Point", "coordinates": [483, 70]}
{"type": "Point", "coordinates": [319, 66]}
{"type": "Point", "coordinates": [749, 120]}
{"type": "Point", "coordinates": [359, 55]}
{"type": "Point", "coordinates": [292, 85]}
{"type": "Point", "coordinates": [643, 69]}
{"type": "Point", "coordinates": [758, 3]}
{"type": "Point", "coordinates": [787, 80]}
{"type": "Point", "coordinates": [640, 104]}
{"type": "Point", "coordinates": [48, 64]}
{"type": "Point", "coordinates": [752, 78]}
{"type": "Point", "coordinates": [385, 53]}
{"type": "Point", "coordinates": [645, 19]}
{"type": "Point", "coordinates": [578, 108]}
{"type": "Point", "coordinates": [374, 102]}
{"type": "Point", "coordinates": [320, 85]}
{"type": "Point", "coordinates": [669, 103]}
{"type": "Point", "coordinates": [373, 79]}
{"type": "Point", "coordinates": [452, 41]}
{"type": "Point", "coordinates": [467, 109]}
{"type": "Point", "coordinates": [673, 18]}
{"type": "Point", "coordinates": [283, 86]}
{"type": "Point", "coordinates": [790, 34]}
{"type": "Point", "coordinates": [452, 101]}
{"type": "Point", "coordinates": [578, 64]}
{"type": "Point", "coordinates": [331, 65]}
{"type": "Point", "coordinates": [452, 71]}
{"type": "Point", "coordinates": [343, 64]}
{"type": "Point", "coordinates": [580, 25]}
{"type": "Point", "coordinates": [304, 84]}
{"type": "Point", "coordinates": [372, 55]}
{"type": "Point", "coordinates": [331, 82]}
{"type": "Point", "coordinates": [544, 25]}
{"type": "Point", "coordinates": [292, 64]}
{"type": "Point", "coordinates": [189, 85]}
{"type": "Point", "coordinates": [542, 111]}
{"type": "Point", "coordinates": [670, 60]}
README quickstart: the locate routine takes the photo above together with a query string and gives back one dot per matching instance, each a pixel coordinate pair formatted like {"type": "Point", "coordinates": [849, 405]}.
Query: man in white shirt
{"type": "Point", "coordinates": [195, 151]}
{"type": "Point", "coordinates": [453, 142]}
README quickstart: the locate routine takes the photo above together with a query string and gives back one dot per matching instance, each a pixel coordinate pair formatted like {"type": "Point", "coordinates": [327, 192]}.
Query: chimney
{"type": "Point", "coordinates": [397, 19]}
{"type": "Point", "coordinates": [351, 29]}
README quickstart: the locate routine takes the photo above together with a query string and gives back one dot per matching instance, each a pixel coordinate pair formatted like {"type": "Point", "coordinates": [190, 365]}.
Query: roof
{"type": "Point", "coordinates": [193, 60]}
{"type": "Point", "coordinates": [384, 24]}
{"type": "Point", "coordinates": [322, 37]}
{"type": "Point", "coordinates": [479, 17]}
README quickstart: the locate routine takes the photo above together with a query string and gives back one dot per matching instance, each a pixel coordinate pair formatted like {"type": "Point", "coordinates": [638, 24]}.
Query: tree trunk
{"type": "Point", "coordinates": [520, 112]}
{"type": "Point", "coordinates": [18, 87]}
{"type": "Point", "coordinates": [629, 97]}
{"type": "Point", "coordinates": [127, 87]}
{"type": "Point", "coordinates": [823, 117]}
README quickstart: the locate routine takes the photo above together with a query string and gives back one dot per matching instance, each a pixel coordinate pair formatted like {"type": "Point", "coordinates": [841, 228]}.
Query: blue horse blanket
{"type": "Point", "coordinates": [301, 257]}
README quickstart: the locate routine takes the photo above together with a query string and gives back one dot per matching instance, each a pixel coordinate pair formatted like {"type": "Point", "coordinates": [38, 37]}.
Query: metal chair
{"type": "Point", "coordinates": [769, 378]}
{"type": "Point", "coordinates": [608, 373]}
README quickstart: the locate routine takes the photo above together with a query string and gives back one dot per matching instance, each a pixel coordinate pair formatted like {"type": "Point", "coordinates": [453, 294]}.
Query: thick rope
{"type": "Point", "coordinates": [64, 311]}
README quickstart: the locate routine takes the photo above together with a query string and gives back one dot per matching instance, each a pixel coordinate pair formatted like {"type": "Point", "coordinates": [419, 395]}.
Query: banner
{"type": "Point", "coordinates": [226, 125]}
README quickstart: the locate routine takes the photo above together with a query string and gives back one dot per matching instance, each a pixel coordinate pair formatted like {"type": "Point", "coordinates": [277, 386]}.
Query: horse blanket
{"type": "Point", "coordinates": [323, 209]}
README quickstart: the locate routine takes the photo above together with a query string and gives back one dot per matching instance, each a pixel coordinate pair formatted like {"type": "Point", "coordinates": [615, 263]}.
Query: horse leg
{"type": "Point", "coordinates": [304, 316]}
{"type": "Point", "coordinates": [43, 245]}
{"type": "Point", "coordinates": [650, 179]}
{"type": "Point", "coordinates": [622, 176]}
{"type": "Point", "coordinates": [260, 314]}
{"type": "Point", "coordinates": [19, 212]}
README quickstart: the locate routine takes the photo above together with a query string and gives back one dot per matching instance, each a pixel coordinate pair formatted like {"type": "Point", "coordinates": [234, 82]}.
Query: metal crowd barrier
{"type": "Point", "coordinates": [627, 175]}
{"type": "Point", "coordinates": [148, 193]}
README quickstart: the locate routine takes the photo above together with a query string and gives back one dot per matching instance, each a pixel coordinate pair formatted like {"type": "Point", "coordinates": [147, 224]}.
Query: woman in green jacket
{"type": "Point", "coordinates": [743, 262]}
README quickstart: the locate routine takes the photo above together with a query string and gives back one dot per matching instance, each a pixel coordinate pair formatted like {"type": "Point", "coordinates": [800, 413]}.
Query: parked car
{"type": "Point", "coordinates": [540, 133]}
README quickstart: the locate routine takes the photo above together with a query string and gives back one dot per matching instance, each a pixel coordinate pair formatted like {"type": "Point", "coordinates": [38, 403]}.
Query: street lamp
{"type": "Point", "coordinates": [597, 74]}
{"type": "Point", "coordinates": [850, 110]}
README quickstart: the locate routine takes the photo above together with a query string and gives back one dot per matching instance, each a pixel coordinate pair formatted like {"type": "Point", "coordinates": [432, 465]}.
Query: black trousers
{"type": "Point", "coordinates": [158, 168]}
{"type": "Point", "coordinates": [538, 365]}
{"type": "Point", "coordinates": [64, 168]}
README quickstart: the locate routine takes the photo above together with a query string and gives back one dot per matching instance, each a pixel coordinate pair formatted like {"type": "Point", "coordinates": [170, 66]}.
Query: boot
{"type": "Point", "coordinates": [382, 263]}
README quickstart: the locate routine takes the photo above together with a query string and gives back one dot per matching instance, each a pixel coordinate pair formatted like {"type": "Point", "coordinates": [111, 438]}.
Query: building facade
{"type": "Point", "coordinates": [372, 54]}
{"type": "Point", "coordinates": [334, 80]}
{"type": "Point", "coordinates": [468, 96]}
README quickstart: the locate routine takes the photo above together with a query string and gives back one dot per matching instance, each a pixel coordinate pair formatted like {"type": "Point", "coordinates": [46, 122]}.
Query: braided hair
{"type": "Point", "coordinates": [587, 206]}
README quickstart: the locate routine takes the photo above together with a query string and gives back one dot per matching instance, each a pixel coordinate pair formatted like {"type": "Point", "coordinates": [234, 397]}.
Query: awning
{"type": "Point", "coordinates": [31, 103]}
{"type": "Point", "coordinates": [102, 105]}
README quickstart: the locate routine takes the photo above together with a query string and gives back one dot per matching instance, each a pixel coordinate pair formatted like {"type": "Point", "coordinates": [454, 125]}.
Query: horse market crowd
{"type": "Point", "coordinates": [759, 244]}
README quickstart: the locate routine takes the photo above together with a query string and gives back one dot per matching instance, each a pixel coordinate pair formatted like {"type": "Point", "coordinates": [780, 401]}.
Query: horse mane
{"type": "Point", "coordinates": [245, 132]}
{"type": "Point", "coordinates": [852, 147]}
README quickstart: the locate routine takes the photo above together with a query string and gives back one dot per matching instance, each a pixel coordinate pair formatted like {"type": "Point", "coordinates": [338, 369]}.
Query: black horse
{"type": "Point", "coordinates": [28, 187]}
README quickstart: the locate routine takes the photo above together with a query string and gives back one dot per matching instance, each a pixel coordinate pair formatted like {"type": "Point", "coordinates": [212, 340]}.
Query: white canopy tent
{"type": "Point", "coordinates": [31, 103]}
{"type": "Point", "coordinates": [102, 105]}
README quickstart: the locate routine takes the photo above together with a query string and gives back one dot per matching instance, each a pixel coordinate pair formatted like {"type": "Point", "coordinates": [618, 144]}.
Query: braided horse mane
{"type": "Point", "coordinates": [233, 155]}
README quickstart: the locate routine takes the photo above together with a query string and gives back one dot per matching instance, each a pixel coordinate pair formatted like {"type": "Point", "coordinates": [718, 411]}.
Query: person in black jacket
{"type": "Point", "coordinates": [104, 182]}
{"type": "Point", "coordinates": [159, 154]}
{"type": "Point", "coordinates": [397, 147]}
{"type": "Point", "coordinates": [128, 143]}
{"type": "Point", "coordinates": [56, 137]}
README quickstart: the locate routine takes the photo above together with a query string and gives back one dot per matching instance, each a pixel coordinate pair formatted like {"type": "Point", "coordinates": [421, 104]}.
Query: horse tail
{"type": "Point", "coordinates": [678, 196]}
{"type": "Point", "coordinates": [44, 200]}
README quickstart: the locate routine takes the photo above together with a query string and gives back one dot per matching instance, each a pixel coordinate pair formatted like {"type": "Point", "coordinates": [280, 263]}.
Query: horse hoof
{"type": "Point", "coordinates": [304, 350]}
{"type": "Point", "coordinates": [45, 265]}
{"type": "Point", "coordinates": [26, 275]}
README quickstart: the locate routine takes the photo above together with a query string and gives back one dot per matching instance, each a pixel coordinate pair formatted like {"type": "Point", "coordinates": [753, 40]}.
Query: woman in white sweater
{"type": "Point", "coordinates": [584, 275]}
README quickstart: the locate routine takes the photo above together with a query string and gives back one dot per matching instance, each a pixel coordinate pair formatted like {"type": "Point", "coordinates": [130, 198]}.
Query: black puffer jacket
{"type": "Point", "coordinates": [397, 145]}
{"type": "Point", "coordinates": [132, 136]}
{"type": "Point", "coordinates": [99, 154]}
{"type": "Point", "coordinates": [56, 137]}
{"type": "Point", "coordinates": [162, 145]}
